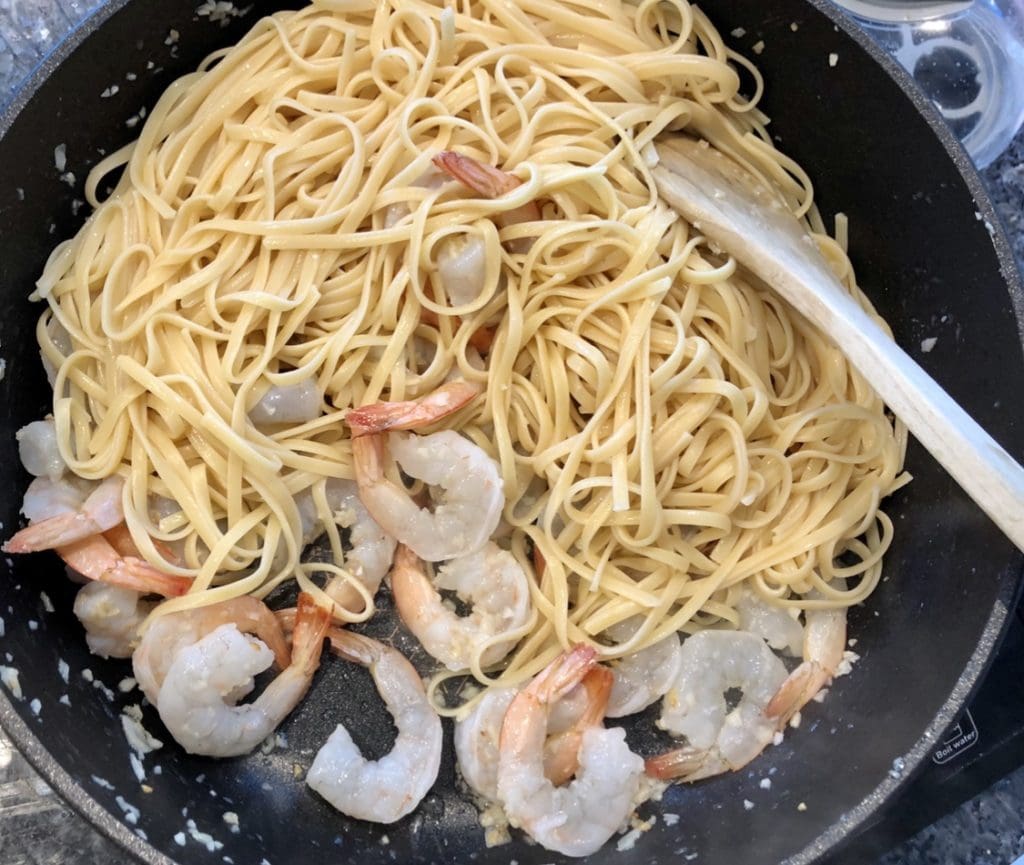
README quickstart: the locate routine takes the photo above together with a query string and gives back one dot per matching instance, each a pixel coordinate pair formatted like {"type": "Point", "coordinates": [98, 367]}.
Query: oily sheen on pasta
{"type": "Point", "coordinates": [669, 432]}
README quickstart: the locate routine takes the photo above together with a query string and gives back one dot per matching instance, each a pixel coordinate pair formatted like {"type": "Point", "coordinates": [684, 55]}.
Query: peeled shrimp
{"type": "Point", "coordinates": [771, 622]}
{"type": "Point", "coordinates": [578, 818]}
{"type": "Point", "coordinates": [70, 515]}
{"type": "Point", "coordinates": [477, 735]}
{"type": "Point", "coordinates": [288, 404]}
{"type": "Point", "coordinates": [467, 514]}
{"type": "Point", "coordinates": [167, 635]}
{"type": "Point", "coordinates": [38, 449]}
{"type": "Point", "coordinates": [205, 679]}
{"type": "Point", "coordinates": [719, 740]}
{"type": "Point", "coordinates": [643, 677]}
{"type": "Point", "coordinates": [111, 616]}
{"type": "Point", "coordinates": [372, 550]}
{"type": "Point", "coordinates": [462, 269]}
{"type": "Point", "coordinates": [823, 650]}
{"type": "Point", "coordinates": [489, 579]}
{"type": "Point", "coordinates": [385, 790]}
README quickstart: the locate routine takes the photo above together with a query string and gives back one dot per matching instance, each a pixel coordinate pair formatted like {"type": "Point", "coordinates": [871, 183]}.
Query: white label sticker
{"type": "Point", "coordinates": [960, 738]}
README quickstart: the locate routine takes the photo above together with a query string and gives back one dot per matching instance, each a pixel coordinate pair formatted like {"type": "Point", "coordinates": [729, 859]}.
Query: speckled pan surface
{"type": "Point", "coordinates": [928, 252]}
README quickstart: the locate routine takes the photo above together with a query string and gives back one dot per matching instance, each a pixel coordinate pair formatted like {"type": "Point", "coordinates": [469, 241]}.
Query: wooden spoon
{"type": "Point", "coordinates": [736, 211]}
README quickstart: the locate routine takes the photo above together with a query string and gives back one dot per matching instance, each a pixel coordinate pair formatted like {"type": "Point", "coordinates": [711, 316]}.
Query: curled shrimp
{"type": "Point", "coordinates": [167, 635]}
{"type": "Point", "coordinates": [824, 647]}
{"type": "Point", "coordinates": [385, 790]}
{"type": "Point", "coordinates": [490, 579]}
{"type": "Point", "coordinates": [719, 739]}
{"type": "Point", "coordinates": [578, 818]}
{"type": "Point", "coordinates": [372, 549]}
{"type": "Point", "coordinates": [472, 500]}
{"type": "Point", "coordinates": [196, 700]}
{"type": "Point", "coordinates": [643, 677]}
{"type": "Point", "coordinates": [477, 735]}
{"type": "Point", "coordinates": [491, 182]}
{"type": "Point", "coordinates": [71, 516]}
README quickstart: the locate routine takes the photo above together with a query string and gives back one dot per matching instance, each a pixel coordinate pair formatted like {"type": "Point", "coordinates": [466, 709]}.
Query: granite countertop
{"type": "Point", "coordinates": [37, 827]}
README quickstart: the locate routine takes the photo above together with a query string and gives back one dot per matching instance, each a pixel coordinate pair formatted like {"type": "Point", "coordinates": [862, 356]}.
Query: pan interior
{"type": "Point", "coordinates": [925, 257]}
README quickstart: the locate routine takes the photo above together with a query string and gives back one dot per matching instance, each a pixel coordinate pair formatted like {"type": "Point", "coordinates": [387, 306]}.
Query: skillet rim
{"type": "Point", "coordinates": [832, 838]}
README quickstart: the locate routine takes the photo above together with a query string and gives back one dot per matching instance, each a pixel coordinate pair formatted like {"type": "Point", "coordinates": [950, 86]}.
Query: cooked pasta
{"type": "Point", "coordinates": [668, 430]}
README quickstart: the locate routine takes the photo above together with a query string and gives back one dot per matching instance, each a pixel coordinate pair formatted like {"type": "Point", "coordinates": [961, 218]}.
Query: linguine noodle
{"type": "Point", "coordinates": [668, 430]}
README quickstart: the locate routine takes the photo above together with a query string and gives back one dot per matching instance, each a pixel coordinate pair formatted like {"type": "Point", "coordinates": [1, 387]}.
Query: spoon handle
{"type": "Point", "coordinates": [985, 471]}
{"type": "Point", "coordinates": [747, 220]}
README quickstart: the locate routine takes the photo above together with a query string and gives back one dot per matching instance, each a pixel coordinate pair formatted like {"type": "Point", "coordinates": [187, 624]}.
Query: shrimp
{"type": "Point", "coordinates": [385, 790]}
{"type": "Point", "coordinates": [372, 549]}
{"type": "Point", "coordinates": [99, 511]}
{"type": "Point", "coordinates": [476, 741]}
{"type": "Point", "coordinates": [205, 679]}
{"type": "Point", "coordinates": [287, 404]}
{"type": "Point", "coordinates": [462, 269]}
{"type": "Point", "coordinates": [642, 677]}
{"type": "Point", "coordinates": [70, 516]}
{"type": "Point", "coordinates": [823, 651]}
{"type": "Point", "coordinates": [491, 182]}
{"type": "Point", "coordinates": [469, 512]}
{"type": "Point", "coordinates": [774, 623]}
{"type": "Point", "coordinates": [562, 748]}
{"type": "Point", "coordinates": [412, 414]}
{"type": "Point", "coordinates": [719, 740]}
{"type": "Point", "coordinates": [167, 635]}
{"type": "Point", "coordinates": [96, 559]}
{"type": "Point", "coordinates": [490, 579]}
{"type": "Point", "coordinates": [578, 818]}
{"type": "Point", "coordinates": [111, 616]}
{"type": "Point", "coordinates": [477, 735]}
{"type": "Point", "coordinates": [430, 179]}
{"type": "Point", "coordinates": [39, 451]}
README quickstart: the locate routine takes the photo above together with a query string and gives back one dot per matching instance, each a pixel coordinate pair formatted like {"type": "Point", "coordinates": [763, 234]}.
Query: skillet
{"type": "Point", "coordinates": [930, 254]}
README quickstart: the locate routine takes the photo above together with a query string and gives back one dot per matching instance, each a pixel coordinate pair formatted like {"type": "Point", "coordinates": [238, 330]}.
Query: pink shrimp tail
{"type": "Point", "coordinates": [51, 533]}
{"type": "Point", "coordinates": [135, 574]}
{"type": "Point", "coordinates": [796, 692]}
{"type": "Point", "coordinates": [491, 182]}
{"type": "Point", "coordinates": [100, 511]}
{"type": "Point", "coordinates": [252, 616]}
{"type": "Point", "coordinates": [479, 176]}
{"type": "Point", "coordinates": [678, 763]}
{"type": "Point", "coordinates": [311, 625]}
{"type": "Point", "coordinates": [411, 414]}
{"type": "Point", "coordinates": [409, 585]}
{"type": "Point", "coordinates": [354, 647]}
{"type": "Point", "coordinates": [561, 753]}
{"type": "Point", "coordinates": [563, 674]}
